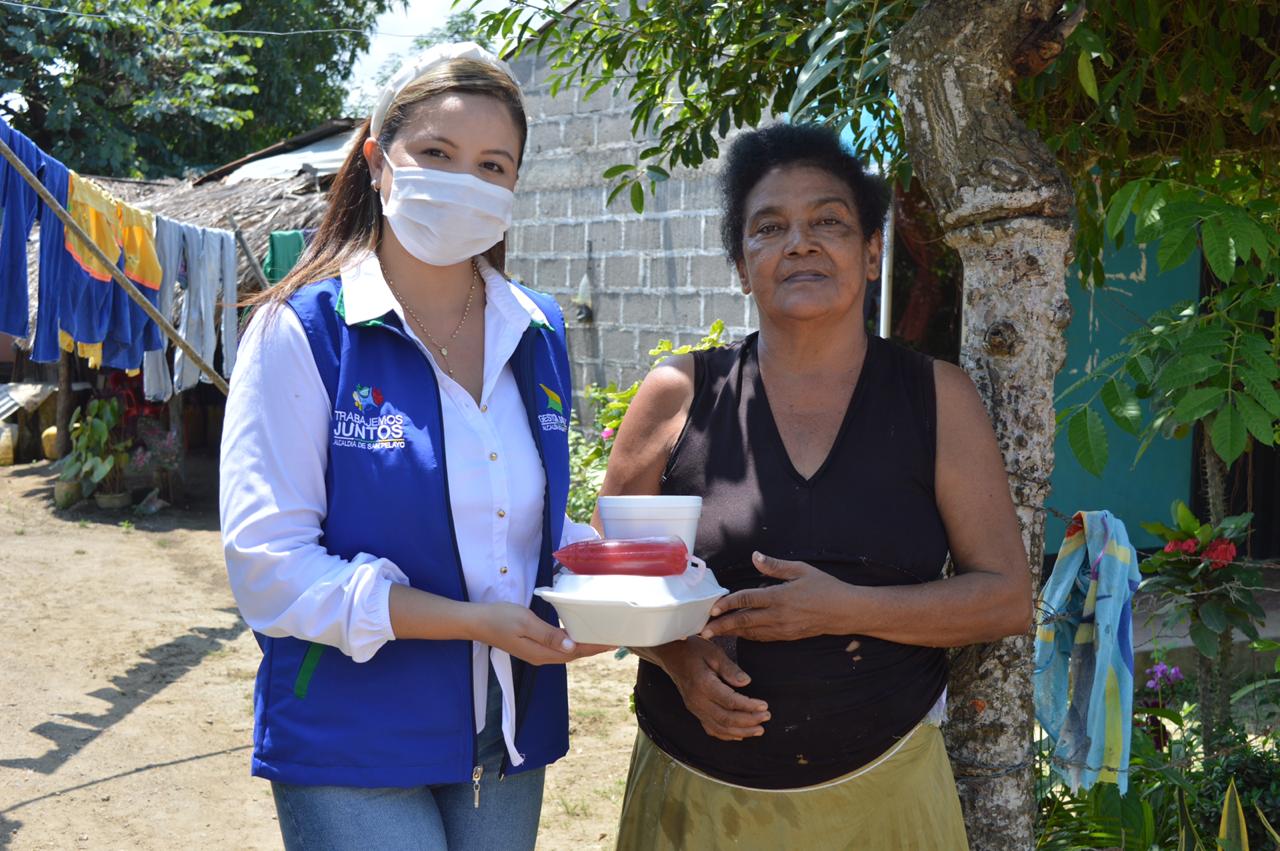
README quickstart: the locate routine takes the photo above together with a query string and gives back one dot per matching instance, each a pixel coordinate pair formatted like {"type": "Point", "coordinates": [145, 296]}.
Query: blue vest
{"type": "Point", "coordinates": [406, 716]}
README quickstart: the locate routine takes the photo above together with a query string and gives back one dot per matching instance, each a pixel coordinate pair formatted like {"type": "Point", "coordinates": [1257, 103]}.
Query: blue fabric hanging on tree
{"type": "Point", "coordinates": [1084, 645]}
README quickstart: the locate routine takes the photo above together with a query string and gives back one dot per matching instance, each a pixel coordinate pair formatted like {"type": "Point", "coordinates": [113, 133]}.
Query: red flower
{"type": "Point", "coordinates": [1220, 553]}
{"type": "Point", "coordinates": [1188, 546]}
{"type": "Point", "coordinates": [377, 396]}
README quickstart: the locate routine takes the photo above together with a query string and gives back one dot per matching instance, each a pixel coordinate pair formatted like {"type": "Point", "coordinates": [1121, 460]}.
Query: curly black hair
{"type": "Point", "coordinates": [757, 152]}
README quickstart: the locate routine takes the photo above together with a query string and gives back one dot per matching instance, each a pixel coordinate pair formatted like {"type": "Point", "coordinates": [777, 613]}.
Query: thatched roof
{"type": "Point", "coordinates": [259, 207]}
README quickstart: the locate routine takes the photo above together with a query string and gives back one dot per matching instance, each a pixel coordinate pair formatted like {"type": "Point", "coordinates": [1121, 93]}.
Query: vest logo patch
{"type": "Point", "coordinates": [366, 427]}
{"type": "Point", "coordinates": [553, 399]}
{"type": "Point", "coordinates": [553, 419]}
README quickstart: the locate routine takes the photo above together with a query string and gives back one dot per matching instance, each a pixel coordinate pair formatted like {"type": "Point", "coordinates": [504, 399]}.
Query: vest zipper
{"type": "Point", "coordinates": [475, 782]}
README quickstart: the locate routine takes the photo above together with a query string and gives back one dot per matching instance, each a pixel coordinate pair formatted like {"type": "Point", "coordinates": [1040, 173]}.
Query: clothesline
{"type": "Point", "coordinates": [109, 267]}
{"type": "Point", "coordinates": [191, 31]}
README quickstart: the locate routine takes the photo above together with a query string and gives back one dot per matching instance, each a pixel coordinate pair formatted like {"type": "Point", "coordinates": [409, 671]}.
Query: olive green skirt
{"type": "Point", "coordinates": [905, 800]}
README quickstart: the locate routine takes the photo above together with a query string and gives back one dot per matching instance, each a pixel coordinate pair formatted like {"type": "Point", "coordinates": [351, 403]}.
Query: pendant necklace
{"type": "Point", "coordinates": [444, 348]}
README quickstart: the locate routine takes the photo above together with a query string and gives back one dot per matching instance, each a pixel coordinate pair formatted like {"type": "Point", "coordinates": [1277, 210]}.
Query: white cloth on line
{"type": "Point", "coordinates": [157, 382]}
{"type": "Point", "coordinates": [211, 276]}
{"type": "Point", "coordinates": [230, 315]}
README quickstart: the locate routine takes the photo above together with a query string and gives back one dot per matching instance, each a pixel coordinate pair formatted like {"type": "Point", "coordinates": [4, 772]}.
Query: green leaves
{"type": "Point", "coordinates": [1214, 615]}
{"type": "Point", "coordinates": [1187, 522]}
{"type": "Point", "coordinates": [1176, 249]}
{"type": "Point", "coordinates": [693, 72]}
{"type": "Point", "coordinates": [1232, 832]}
{"type": "Point", "coordinates": [1219, 249]}
{"type": "Point", "coordinates": [1259, 423]}
{"type": "Point", "coordinates": [1199, 402]}
{"type": "Point", "coordinates": [1188, 370]}
{"type": "Point", "coordinates": [1123, 405]}
{"type": "Point", "coordinates": [1121, 204]}
{"type": "Point", "coordinates": [1205, 640]}
{"type": "Point", "coordinates": [1088, 82]}
{"type": "Point", "coordinates": [1228, 434]}
{"type": "Point", "coordinates": [151, 89]}
{"type": "Point", "coordinates": [1088, 439]}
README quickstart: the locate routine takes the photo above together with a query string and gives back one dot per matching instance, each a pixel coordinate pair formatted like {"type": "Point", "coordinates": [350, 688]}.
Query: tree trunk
{"type": "Point", "coordinates": [1215, 690]}
{"type": "Point", "coordinates": [1004, 204]}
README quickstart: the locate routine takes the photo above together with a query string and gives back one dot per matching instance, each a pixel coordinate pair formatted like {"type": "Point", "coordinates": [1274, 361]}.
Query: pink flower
{"type": "Point", "coordinates": [1220, 553]}
{"type": "Point", "coordinates": [607, 434]}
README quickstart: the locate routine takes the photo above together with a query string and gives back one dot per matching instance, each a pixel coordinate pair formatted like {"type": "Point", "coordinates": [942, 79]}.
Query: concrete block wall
{"type": "Point", "coordinates": [660, 274]}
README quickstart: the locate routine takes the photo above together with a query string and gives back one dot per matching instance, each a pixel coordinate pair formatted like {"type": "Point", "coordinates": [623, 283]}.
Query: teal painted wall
{"type": "Point", "coordinates": [1101, 319]}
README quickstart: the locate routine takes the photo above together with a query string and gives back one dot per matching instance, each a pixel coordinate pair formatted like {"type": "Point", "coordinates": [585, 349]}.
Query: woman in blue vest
{"type": "Point", "coordinates": [394, 477]}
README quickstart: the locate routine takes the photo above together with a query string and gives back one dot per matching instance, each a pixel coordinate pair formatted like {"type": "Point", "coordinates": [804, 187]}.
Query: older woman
{"type": "Point", "coordinates": [837, 471]}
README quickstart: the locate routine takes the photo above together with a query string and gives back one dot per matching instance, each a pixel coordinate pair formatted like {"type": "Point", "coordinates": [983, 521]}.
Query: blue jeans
{"type": "Point", "coordinates": [422, 818]}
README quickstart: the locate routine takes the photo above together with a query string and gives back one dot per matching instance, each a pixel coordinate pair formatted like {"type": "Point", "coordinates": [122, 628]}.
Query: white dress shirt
{"type": "Point", "coordinates": [273, 498]}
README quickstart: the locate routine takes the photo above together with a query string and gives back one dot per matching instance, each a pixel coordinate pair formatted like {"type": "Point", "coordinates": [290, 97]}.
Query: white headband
{"type": "Point", "coordinates": [415, 66]}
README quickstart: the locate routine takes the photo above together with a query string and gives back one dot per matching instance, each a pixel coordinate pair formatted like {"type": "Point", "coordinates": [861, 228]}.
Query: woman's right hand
{"type": "Point", "coordinates": [706, 678]}
{"type": "Point", "coordinates": [526, 636]}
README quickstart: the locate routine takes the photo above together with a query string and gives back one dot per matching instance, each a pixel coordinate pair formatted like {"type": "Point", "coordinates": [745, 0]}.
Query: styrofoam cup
{"type": "Point", "coordinates": [651, 516]}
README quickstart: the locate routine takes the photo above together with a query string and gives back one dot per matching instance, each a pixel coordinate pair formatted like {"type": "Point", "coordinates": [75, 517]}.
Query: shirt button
{"type": "Point", "coordinates": [493, 456]}
{"type": "Point", "coordinates": [503, 570]}
{"type": "Point", "coordinates": [484, 409]}
{"type": "Point", "coordinates": [501, 513]}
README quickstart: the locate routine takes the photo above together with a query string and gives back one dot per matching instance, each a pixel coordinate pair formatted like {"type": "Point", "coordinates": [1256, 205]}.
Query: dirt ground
{"type": "Point", "coordinates": [126, 679]}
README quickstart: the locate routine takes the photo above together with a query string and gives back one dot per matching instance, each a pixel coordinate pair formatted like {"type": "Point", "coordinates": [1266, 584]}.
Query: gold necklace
{"type": "Point", "coordinates": [444, 348]}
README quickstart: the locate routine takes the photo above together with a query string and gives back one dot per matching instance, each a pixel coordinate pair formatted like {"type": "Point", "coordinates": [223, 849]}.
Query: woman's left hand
{"type": "Point", "coordinates": [801, 607]}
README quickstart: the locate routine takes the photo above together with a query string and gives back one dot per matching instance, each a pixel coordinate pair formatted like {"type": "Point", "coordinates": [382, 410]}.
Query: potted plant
{"type": "Point", "coordinates": [98, 454]}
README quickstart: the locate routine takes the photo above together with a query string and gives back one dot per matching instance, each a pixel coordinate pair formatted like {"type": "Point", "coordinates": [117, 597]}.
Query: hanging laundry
{"type": "Point", "coordinates": [59, 271]}
{"type": "Point", "coordinates": [1084, 644]}
{"type": "Point", "coordinates": [284, 247]}
{"type": "Point", "coordinates": [135, 333]}
{"type": "Point", "coordinates": [230, 300]}
{"type": "Point", "coordinates": [211, 277]}
{"type": "Point", "coordinates": [86, 314]}
{"type": "Point", "coordinates": [171, 250]}
{"type": "Point", "coordinates": [20, 204]}
{"type": "Point", "coordinates": [109, 326]}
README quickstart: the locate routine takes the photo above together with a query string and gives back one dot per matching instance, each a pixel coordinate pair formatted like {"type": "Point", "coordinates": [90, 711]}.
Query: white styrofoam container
{"type": "Point", "coordinates": [634, 611]}
{"type": "Point", "coordinates": [651, 517]}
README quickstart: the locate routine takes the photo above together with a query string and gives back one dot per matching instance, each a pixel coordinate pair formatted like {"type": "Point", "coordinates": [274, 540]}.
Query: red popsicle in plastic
{"type": "Point", "coordinates": [666, 556]}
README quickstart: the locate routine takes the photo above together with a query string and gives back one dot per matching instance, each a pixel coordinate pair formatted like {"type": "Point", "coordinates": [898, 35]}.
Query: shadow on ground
{"type": "Point", "coordinates": [164, 664]}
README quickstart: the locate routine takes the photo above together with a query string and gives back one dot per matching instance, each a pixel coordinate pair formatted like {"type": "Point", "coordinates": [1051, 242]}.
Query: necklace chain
{"type": "Point", "coordinates": [422, 326]}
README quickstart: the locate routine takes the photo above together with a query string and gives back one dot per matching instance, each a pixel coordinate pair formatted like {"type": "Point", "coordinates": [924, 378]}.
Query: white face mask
{"type": "Point", "coordinates": [442, 217]}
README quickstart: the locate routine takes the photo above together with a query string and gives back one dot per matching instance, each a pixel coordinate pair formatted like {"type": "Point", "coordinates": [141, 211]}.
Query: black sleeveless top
{"type": "Point", "coordinates": [867, 517]}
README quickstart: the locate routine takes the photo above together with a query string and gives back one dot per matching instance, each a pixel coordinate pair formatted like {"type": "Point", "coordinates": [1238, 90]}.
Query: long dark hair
{"type": "Point", "coordinates": [353, 220]}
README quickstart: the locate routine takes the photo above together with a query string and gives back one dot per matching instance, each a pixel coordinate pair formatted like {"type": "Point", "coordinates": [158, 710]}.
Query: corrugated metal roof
{"type": "Point", "coordinates": [8, 405]}
{"type": "Point", "coordinates": [29, 396]}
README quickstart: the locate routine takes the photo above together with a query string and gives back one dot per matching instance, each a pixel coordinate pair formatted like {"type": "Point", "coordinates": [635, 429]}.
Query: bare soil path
{"type": "Point", "coordinates": [126, 680]}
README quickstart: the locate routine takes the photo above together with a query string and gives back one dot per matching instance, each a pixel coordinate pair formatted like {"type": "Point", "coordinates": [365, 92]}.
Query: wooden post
{"type": "Point", "coordinates": [175, 490]}
{"type": "Point", "coordinates": [254, 266]}
{"type": "Point", "coordinates": [66, 403]}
